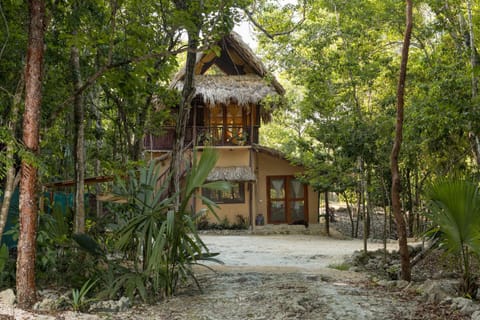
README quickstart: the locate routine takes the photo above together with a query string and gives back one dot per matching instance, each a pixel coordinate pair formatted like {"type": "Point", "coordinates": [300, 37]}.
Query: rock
{"type": "Point", "coordinates": [70, 315]}
{"type": "Point", "coordinates": [47, 304]}
{"type": "Point", "coordinates": [466, 306]}
{"type": "Point", "coordinates": [111, 305]}
{"type": "Point", "coordinates": [435, 291]}
{"type": "Point", "coordinates": [355, 269]}
{"type": "Point", "coordinates": [402, 284]}
{"type": "Point", "coordinates": [475, 315]}
{"type": "Point", "coordinates": [7, 297]}
{"type": "Point", "coordinates": [383, 283]}
{"type": "Point", "coordinates": [123, 304]}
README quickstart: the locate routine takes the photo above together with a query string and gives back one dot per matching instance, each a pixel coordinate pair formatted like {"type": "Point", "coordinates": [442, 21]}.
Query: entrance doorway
{"type": "Point", "coordinates": [287, 200]}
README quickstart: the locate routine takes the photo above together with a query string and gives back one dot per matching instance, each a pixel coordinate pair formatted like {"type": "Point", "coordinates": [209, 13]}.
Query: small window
{"type": "Point", "coordinates": [235, 195]}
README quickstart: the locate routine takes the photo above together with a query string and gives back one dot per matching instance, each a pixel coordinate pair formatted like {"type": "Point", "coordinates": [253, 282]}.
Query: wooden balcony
{"type": "Point", "coordinates": [204, 136]}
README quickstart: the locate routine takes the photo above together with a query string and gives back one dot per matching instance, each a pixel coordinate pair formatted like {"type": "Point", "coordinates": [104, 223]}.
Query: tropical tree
{"type": "Point", "coordinates": [26, 289]}
{"type": "Point", "coordinates": [396, 203]}
{"type": "Point", "coordinates": [455, 215]}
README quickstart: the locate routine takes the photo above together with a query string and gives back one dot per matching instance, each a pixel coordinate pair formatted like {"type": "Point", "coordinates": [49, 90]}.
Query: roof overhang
{"type": "Point", "coordinates": [243, 90]}
{"type": "Point", "coordinates": [239, 174]}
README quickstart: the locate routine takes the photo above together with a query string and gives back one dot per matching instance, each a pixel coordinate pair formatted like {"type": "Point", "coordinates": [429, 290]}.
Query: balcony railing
{"type": "Point", "coordinates": [204, 136]}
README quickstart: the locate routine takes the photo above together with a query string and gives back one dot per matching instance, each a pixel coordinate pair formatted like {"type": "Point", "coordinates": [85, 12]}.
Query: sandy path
{"type": "Point", "coordinates": [305, 251]}
{"type": "Point", "coordinates": [280, 277]}
{"type": "Point", "coordinates": [275, 277]}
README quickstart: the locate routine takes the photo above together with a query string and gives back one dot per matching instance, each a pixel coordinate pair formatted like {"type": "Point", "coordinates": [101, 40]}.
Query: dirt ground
{"type": "Point", "coordinates": [279, 277]}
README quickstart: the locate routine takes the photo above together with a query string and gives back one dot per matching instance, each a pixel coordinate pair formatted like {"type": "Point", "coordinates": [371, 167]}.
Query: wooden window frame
{"type": "Point", "coordinates": [287, 200]}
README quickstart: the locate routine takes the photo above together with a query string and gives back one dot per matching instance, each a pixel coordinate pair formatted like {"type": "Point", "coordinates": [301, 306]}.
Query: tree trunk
{"type": "Point", "coordinates": [386, 205]}
{"type": "Point", "coordinates": [25, 278]}
{"type": "Point", "coordinates": [327, 215]}
{"type": "Point", "coordinates": [183, 115]}
{"type": "Point", "coordinates": [359, 211]}
{"type": "Point", "coordinates": [350, 215]}
{"type": "Point", "coordinates": [474, 139]}
{"type": "Point", "coordinates": [361, 168]}
{"type": "Point", "coordinates": [396, 204]}
{"type": "Point", "coordinates": [12, 176]}
{"type": "Point", "coordinates": [79, 116]}
{"type": "Point", "coordinates": [410, 210]}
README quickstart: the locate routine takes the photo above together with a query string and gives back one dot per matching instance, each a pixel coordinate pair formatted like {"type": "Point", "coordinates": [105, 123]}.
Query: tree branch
{"type": "Point", "coordinates": [272, 35]}
{"type": "Point", "coordinates": [111, 66]}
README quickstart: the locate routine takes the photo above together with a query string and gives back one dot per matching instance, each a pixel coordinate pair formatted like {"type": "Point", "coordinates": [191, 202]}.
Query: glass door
{"type": "Point", "coordinates": [277, 209]}
{"type": "Point", "coordinates": [287, 200]}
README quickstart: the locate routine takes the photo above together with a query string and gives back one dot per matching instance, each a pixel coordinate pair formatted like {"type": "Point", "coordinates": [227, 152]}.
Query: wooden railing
{"type": "Point", "coordinates": [204, 136]}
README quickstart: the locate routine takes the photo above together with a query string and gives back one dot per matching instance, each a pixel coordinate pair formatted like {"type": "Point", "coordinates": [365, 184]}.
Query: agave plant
{"type": "Point", "coordinates": [159, 237]}
{"type": "Point", "coordinates": [455, 210]}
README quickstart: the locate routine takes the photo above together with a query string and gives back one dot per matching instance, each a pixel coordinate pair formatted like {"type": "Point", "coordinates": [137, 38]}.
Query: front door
{"type": "Point", "coordinates": [287, 200]}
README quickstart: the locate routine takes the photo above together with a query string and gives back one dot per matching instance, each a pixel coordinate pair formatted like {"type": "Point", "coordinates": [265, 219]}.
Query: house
{"type": "Point", "coordinates": [226, 114]}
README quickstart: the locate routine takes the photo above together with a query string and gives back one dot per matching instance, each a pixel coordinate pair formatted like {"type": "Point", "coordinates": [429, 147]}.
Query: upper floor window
{"type": "Point", "coordinates": [229, 124]}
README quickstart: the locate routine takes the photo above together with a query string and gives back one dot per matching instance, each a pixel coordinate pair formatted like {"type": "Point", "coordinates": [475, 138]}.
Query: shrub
{"type": "Point", "coordinates": [455, 213]}
{"type": "Point", "coordinates": [159, 239]}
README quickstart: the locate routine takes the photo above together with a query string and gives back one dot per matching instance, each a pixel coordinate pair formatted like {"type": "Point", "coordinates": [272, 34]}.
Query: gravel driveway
{"type": "Point", "coordinates": [281, 277]}
{"type": "Point", "coordinates": [276, 277]}
{"type": "Point", "coordinates": [304, 251]}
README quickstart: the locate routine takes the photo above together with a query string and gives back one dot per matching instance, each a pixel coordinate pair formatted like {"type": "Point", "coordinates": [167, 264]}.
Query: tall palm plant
{"type": "Point", "coordinates": [160, 238]}
{"type": "Point", "coordinates": [455, 210]}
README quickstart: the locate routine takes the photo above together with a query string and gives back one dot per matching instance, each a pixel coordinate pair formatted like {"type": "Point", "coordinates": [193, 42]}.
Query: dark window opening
{"type": "Point", "coordinates": [235, 195]}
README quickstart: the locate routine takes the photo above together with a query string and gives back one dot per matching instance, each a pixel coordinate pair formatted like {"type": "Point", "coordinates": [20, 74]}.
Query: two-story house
{"type": "Point", "coordinates": [227, 113]}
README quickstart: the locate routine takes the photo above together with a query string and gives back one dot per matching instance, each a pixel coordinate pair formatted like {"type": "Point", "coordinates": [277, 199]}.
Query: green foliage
{"type": "Point", "coordinates": [455, 210]}
{"type": "Point", "coordinates": [241, 223]}
{"type": "Point", "coordinates": [79, 297]}
{"type": "Point", "coordinates": [159, 239]}
{"type": "Point", "coordinates": [7, 268]}
{"type": "Point", "coordinates": [340, 266]}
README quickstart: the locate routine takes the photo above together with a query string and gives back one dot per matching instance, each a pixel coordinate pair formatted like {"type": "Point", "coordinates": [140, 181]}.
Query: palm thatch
{"type": "Point", "coordinates": [269, 151]}
{"type": "Point", "coordinates": [239, 89]}
{"type": "Point", "coordinates": [240, 173]}
{"type": "Point", "coordinates": [245, 80]}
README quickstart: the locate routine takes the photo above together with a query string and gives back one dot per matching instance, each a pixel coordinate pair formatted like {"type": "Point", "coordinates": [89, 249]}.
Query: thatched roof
{"type": "Point", "coordinates": [232, 174]}
{"type": "Point", "coordinates": [271, 152]}
{"type": "Point", "coordinates": [245, 78]}
{"type": "Point", "coordinates": [240, 89]}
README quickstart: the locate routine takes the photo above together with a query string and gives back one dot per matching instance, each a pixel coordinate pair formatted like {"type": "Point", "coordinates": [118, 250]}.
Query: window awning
{"type": "Point", "coordinates": [241, 174]}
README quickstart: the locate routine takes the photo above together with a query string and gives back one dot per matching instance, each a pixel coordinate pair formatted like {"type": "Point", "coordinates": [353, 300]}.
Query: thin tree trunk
{"type": "Point", "coordinates": [474, 139]}
{"type": "Point", "coordinates": [369, 210]}
{"type": "Point", "coordinates": [79, 117]}
{"type": "Point", "coordinates": [25, 277]}
{"type": "Point", "coordinates": [359, 207]}
{"type": "Point", "coordinates": [396, 204]}
{"type": "Point", "coordinates": [410, 211]}
{"type": "Point", "coordinates": [183, 116]}
{"type": "Point", "coordinates": [350, 215]}
{"type": "Point", "coordinates": [362, 204]}
{"type": "Point", "coordinates": [327, 215]}
{"type": "Point", "coordinates": [96, 123]}
{"type": "Point", "coordinates": [386, 205]}
{"type": "Point", "coordinates": [12, 176]}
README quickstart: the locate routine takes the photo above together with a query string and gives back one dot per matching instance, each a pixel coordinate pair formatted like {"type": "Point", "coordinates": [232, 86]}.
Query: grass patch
{"type": "Point", "coordinates": [340, 266]}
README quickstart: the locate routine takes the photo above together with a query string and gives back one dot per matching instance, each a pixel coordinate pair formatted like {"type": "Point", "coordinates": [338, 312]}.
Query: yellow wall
{"type": "Point", "coordinates": [264, 165]}
{"type": "Point", "coordinates": [231, 157]}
